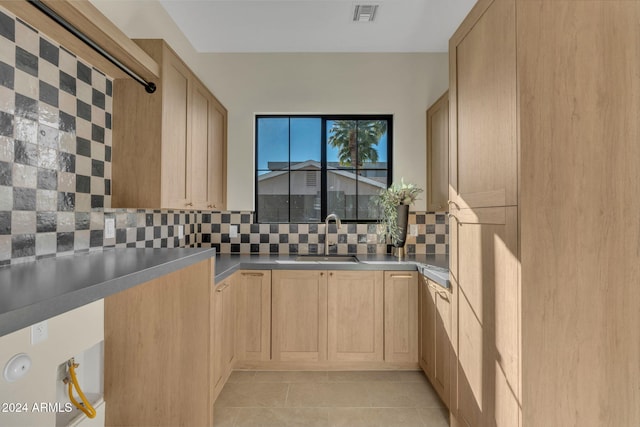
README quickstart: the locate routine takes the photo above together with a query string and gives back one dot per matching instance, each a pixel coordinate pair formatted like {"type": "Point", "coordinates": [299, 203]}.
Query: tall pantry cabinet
{"type": "Point", "coordinates": [545, 195]}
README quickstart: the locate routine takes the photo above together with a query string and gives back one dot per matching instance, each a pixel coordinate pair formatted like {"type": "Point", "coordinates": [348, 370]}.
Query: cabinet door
{"type": "Point", "coordinates": [427, 314]}
{"type": "Point", "coordinates": [208, 149]}
{"type": "Point", "coordinates": [299, 315]}
{"type": "Point", "coordinates": [218, 342]}
{"type": "Point", "coordinates": [217, 172]}
{"type": "Point", "coordinates": [401, 316]}
{"type": "Point", "coordinates": [254, 315]}
{"type": "Point", "coordinates": [482, 89]}
{"type": "Point", "coordinates": [488, 315]}
{"type": "Point", "coordinates": [442, 354]}
{"type": "Point", "coordinates": [356, 310]}
{"type": "Point", "coordinates": [438, 154]}
{"type": "Point", "coordinates": [176, 154]}
{"type": "Point", "coordinates": [229, 322]}
{"type": "Point", "coordinates": [224, 333]}
{"type": "Point", "coordinates": [200, 145]}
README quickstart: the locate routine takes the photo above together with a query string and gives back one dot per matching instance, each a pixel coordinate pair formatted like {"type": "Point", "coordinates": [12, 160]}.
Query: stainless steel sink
{"type": "Point", "coordinates": [327, 258]}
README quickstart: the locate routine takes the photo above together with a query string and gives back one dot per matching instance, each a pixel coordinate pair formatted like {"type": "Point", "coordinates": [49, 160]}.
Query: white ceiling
{"type": "Point", "coordinates": [316, 25]}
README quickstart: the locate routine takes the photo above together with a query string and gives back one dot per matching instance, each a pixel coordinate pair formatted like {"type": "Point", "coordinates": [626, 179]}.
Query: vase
{"type": "Point", "coordinates": [403, 223]}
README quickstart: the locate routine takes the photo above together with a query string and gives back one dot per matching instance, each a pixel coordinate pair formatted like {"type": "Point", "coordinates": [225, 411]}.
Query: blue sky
{"type": "Point", "coordinates": [273, 134]}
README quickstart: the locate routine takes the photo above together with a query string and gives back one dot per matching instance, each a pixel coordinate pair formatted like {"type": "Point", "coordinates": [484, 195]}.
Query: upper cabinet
{"type": "Point", "coordinates": [169, 148]}
{"type": "Point", "coordinates": [438, 154]}
{"type": "Point", "coordinates": [482, 92]}
{"type": "Point", "coordinates": [208, 150]}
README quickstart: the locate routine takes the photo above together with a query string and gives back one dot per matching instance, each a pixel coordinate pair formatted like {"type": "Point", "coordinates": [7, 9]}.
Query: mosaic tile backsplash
{"type": "Point", "coordinates": [432, 235]}
{"type": "Point", "coordinates": [55, 173]}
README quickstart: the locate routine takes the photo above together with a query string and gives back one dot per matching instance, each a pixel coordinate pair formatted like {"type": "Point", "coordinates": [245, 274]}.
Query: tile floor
{"type": "Point", "coordinates": [345, 398]}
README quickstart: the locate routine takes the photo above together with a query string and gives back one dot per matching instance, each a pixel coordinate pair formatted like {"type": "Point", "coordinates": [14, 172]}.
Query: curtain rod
{"type": "Point", "coordinates": [150, 87]}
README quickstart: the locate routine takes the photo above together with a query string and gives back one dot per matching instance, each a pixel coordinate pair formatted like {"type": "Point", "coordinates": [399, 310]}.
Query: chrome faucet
{"type": "Point", "coordinates": [326, 230]}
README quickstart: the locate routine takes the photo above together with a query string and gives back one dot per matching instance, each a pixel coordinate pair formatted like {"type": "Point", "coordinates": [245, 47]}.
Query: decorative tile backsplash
{"type": "Point", "coordinates": [432, 235]}
{"type": "Point", "coordinates": [55, 173]}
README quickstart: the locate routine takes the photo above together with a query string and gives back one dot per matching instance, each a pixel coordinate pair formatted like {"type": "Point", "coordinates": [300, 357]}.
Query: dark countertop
{"type": "Point", "coordinates": [36, 291]}
{"type": "Point", "coordinates": [436, 267]}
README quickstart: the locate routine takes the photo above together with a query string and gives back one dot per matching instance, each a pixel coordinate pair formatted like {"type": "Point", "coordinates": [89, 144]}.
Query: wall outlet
{"type": "Point", "coordinates": [181, 232]}
{"type": "Point", "coordinates": [413, 230]}
{"type": "Point", "coordinates": [109, 228]}
{"type": "Point", "coordinates": [233, 231]}
{"type": "Point", "coordinates": [39, 332]}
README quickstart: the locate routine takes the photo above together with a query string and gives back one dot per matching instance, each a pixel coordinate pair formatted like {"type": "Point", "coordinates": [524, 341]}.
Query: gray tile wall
{"type": "Point", "coordinates": [55, 156]}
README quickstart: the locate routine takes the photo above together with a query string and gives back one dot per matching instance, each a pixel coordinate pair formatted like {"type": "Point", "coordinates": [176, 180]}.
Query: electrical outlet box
{"type": "Point", "coordinates": [109, 228]}
{"type": "Point", "coordinates": [39, 332]}
{"type": "Point", "coordinates": [181, 232]}
{"type": "Point", "coordinates": [413, 230]}
{"type": "Point", "coordinates": [62, 371]}
{"type": "Point", "coordinates": [233, 231]}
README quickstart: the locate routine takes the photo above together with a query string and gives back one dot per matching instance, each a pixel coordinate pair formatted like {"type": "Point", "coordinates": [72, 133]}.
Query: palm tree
{"type": "Point", "coordinates": [356, 140]}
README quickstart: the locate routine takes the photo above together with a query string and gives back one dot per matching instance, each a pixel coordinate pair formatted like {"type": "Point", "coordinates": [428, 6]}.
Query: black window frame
{"type": "Point", "coordinates": [323, 170]}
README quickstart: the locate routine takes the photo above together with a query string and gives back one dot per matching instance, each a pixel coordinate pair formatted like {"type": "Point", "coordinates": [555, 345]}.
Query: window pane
{"type": "Point", "coordinates": [273, 197]}
{"type": "Point", "coordinates": [370, 183]}
{"type": "Point", "coordinates": [341, 143]}
{"type": "Point", "coordinates": [306, 135]}
{"type": "Point", "coordinates": [273, 143]}
{"type": "Point", "coordinates": [372, 143]}
{"type": "Point", "coordinates": [305, 195]}
{"type": "Point", "coordinates": [341, 193]}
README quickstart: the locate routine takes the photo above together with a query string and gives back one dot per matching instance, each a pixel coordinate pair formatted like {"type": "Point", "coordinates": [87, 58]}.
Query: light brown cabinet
{"type": "Point", "coordinates": [356, 311]}
{"type": "Point", "coordinates": [485, 273]}
{"type": "Point", "coordinates": [224, 332]}
{"type": "Point", "coordinates": [178, 133]}
{"type": "Point", "coordinates": [438, 155]}
{"type": "Point", "coordinates": [157, 339]}
{"type": "Point", "coordinates": [483, 149]}
{"type": "Point", "coordinates": [299, 316]}
{"type": "Point", "coordinates": [426, 330]}
{"type": "Point", "coordinates": [441, 376]}
{"type": "Point", "coordinates": [401, 316]}
{"type": "Point", "coordinates": [436, 337]}
{"type": "Point", "coordinates": [544, 177]}
{"type": "Point", "coordinates": [483, 227]}
{"type": "Point", "coordinates": [208, 151]}
{"type": "Point", "coordinates": [254, 315]}
{"type": "Point", "coordinates": [343, 319]}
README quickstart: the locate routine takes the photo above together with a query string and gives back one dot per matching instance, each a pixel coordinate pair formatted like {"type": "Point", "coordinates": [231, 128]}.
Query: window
{"type": "Point", "coordinates": [311, 166]}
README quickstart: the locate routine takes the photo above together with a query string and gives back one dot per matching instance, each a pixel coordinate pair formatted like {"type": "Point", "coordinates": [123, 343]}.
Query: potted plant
{"type": "Point", "coordinates": [394, 203]}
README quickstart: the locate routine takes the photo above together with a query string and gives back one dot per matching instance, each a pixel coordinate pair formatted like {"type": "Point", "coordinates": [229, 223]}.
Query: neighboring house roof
{"type": "Point", "coordinates": [276, 166]}
{"type": "Point", "coordinates": [311, 165]}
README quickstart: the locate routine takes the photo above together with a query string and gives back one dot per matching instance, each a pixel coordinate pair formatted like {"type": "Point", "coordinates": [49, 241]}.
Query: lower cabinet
{"type": "Point", "coordinates": [224, 333]}
{"type": "Point", "coordinates": [484, 270]}
{"type": "Point", "coordinates": [436, 337]}
{"type": "Point", "coordinates": [401, 316]}
{"type": "Point", "coordinates": [300, 319]}
{"type": "Point", "coordinates": [299, 316]}
{"type": "Point", "coordinates": [356, 310]}
{"type": "Point", "coordinates": [157, 351]}
{"type": "Point", "coordinates": [254, 315]}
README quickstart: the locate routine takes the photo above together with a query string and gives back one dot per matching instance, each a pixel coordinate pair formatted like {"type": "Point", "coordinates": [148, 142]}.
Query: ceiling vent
{"type": "Point", "coordinates": [364, 12]}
